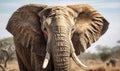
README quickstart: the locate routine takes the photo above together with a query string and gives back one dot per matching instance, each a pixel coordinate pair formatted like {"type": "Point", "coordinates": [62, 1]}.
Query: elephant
{"type": "Point", "coordinates": [4, 57]}
{"type": "Point", "coordinates": [49, 38]}
{"type": "Point", "coordinates": [2, 68]}
{"type": "Point", "coordinates": [6, 54]}
{"type": "Point", "coordinates": [111, 62]}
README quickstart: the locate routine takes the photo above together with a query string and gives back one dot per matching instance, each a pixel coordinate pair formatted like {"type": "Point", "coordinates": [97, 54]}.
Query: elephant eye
{"type": "Point", "coordinates": [52, 15]}
{"type": "Point", "coordinates": [75, 19]}
{"type": "Point", "coordinates": [73, 29]}
{"type": "Point", "coordinates": [45, 29]}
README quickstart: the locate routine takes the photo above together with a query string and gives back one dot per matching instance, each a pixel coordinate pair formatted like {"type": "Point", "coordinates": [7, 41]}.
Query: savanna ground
{"type": "Point", "coordinates": [96, 65]}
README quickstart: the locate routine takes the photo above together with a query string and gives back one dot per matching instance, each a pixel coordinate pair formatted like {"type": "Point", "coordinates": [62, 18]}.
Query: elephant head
{"type": "Point", "coordinates": [58, 32]}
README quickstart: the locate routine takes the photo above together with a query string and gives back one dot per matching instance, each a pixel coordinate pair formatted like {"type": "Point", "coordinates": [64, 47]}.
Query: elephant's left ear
{"type": "Point", "coordinates": [90, 26]}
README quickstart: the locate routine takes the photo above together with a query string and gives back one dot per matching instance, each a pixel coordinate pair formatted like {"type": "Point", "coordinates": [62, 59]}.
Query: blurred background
{"type": "Point", "coordinates": [101, 53]}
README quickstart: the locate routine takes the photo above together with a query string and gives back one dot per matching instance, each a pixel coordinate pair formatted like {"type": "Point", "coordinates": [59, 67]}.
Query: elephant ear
{"type": "Point", "coordinates": [25, 26]}
{"type": "Point", "coordinates": [90, 26]}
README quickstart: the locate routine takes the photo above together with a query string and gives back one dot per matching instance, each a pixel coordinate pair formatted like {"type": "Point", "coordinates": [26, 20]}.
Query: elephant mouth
{"type": "Point", "coordinates": [74, 57]}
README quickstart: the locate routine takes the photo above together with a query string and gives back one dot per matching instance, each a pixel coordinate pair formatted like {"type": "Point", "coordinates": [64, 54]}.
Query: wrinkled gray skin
{"type": "Point", "coordinates": [57, 30]}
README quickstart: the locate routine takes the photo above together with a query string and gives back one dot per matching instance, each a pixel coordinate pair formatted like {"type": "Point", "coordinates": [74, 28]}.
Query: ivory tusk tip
{"type": "Point", "coordinates": [79, 63]}
{"type": "Point", "coordinates": [87, 68]}
{"type": "Point", "coordinates": [46, 60]}
{"type": "Point", "coordinates": [45, 63]}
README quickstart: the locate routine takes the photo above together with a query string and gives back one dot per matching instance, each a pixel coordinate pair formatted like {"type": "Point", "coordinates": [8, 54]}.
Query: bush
{"type": "Point", "coordinates": [104, 56]}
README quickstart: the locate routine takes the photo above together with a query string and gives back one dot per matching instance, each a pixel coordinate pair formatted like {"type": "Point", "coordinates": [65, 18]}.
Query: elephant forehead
{"type": "Point", "coordinates": [61, 10]}
{"type": "Point", "coordinates": [58, 7]}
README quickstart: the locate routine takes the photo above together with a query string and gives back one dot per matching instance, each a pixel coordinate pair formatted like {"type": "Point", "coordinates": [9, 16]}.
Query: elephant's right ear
{"type": "Point", "coordinates": [25, 26]}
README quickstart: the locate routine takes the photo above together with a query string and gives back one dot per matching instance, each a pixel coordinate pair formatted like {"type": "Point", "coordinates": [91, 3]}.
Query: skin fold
{"type": "Point", "coordinates": [49, 38]}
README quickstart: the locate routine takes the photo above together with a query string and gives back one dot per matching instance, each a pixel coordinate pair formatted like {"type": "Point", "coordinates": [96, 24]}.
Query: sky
{"type": "Point", "coordinates": [110, 9]}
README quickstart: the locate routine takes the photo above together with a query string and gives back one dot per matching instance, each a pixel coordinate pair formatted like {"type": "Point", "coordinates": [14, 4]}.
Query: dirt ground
{"type": "Point", "coordinates": [12, 66]}
{"type": "Point", "coordinates": [96, 65]}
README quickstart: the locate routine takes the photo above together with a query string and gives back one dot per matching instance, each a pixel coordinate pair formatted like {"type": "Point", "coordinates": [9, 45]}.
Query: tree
{"type": "Point", "coordinates": [88, 55]}
{"type": "Point", "coordinates": [104, 52]}
{"type": "Point", "coordinates": [116, 51]}
{"type": "Point", "coordinates": [104, 56]}
{"type": "Point", "coordinates": [118, 41]}
{"type": "Point", "coordinates": [101, 48]}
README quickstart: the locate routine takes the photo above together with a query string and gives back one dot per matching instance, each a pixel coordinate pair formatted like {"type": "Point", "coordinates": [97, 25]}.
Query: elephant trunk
{"type": "Point", "coordinates": [60, 53]}
{"type": "Point", "coordinates": [61, 50]}
{"type": "Point", "coordinates": [61, 56]}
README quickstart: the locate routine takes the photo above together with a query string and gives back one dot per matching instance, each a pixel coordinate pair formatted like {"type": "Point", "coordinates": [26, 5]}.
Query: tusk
{"type": "Point", "coordinates": [46, 60]}
{"type": "Point", "coordinates": [78, 62]}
